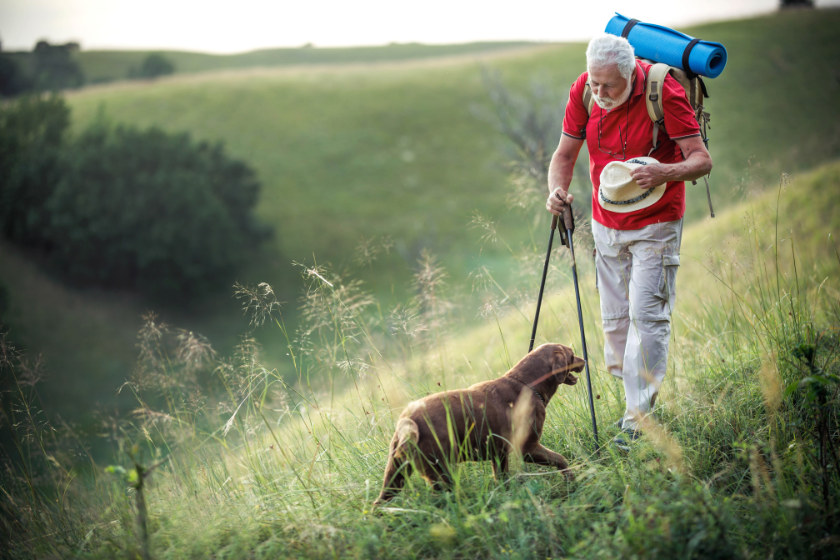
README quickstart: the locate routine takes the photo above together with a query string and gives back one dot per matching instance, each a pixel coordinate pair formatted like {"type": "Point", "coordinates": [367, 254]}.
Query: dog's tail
{"type": "Point", "coordinates": [407, 435]}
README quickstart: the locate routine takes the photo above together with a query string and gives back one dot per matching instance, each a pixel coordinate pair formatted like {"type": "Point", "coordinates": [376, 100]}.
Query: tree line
{"type": "Point", "coordinates": [54, 67]}
{"type": "Point", "coordinates": [121, 207]}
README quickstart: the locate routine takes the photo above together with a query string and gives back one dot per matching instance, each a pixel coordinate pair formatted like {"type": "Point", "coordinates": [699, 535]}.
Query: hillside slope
{"type": "Point", "coordinates": [107, 66]}
{"type": "Point", "coordinates": [396, 150]}
{"type": "Point", "coordinates": [729, 459]}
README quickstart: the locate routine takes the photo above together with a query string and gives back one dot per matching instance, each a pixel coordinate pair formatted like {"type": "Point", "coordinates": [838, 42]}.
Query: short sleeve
{"type": "Point", "coordinates": [576, 117]}
{"type": "Point", "coordinates": [679, 116]}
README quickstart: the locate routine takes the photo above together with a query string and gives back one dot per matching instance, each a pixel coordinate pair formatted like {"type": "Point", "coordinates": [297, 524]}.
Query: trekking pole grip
{"type": "Point", "coordinates": [568, 219]}
{"type": "Point", "coordinates": [553, 222]}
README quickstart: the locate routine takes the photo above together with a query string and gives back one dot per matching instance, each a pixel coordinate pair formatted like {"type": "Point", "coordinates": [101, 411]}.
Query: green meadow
{"type": "Point", "coordinates": [405, 154]}
{"type": "Point", "coordinates": [269, 438]}
{"type": "Point", "coordinates": [731, 467]}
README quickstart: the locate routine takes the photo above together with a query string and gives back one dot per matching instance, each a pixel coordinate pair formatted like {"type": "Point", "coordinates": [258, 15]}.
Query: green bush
{"type": "Point", "coordinates": [32, 131]}
{"type": "Point", "coordinates": [156, 212]}
{"type": "Point", "coordinates": [5, 300]}
{"type": "Point", "coordinates": [124, 208]}
{"type": "Point", "coordinates": [53, 67]}
{"type": "Point", "coordinates": [13, 80]}
{"type": "Point", "coordinates": [153, 65]}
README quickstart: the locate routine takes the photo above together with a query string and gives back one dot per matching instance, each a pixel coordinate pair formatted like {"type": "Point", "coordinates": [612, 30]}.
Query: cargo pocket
{"type": "Point", "coordinates": [667, 281]}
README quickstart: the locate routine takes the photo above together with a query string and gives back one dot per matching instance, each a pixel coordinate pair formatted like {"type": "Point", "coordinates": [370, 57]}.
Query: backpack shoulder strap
{"type": "Point", "coordinates": [654, 84]}
{"type": "Point", "coordinates": [588, 101]}
{"type": "Point", "coordinates": [695, 92]}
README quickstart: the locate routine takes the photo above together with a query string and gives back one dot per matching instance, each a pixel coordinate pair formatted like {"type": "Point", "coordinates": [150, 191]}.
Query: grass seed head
{"type": "Point", "coordinates": [771, 386]}
{"type": "Point", "coordinates": [259, 301]}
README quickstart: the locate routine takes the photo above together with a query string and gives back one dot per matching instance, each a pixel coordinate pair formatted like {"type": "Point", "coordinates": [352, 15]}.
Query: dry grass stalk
{"type": "Point", "coordinates": [664, 442]}
{"type": "Point", "coordinates": [771, 386]}
{"type": "Point", "coordinates": [759, 473]}
{"type": "Point", "coordinates": [521, 425]}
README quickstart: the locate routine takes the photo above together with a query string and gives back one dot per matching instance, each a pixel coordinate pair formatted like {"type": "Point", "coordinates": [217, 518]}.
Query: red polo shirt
{"type": "Point", "coordinates": [636, 127]}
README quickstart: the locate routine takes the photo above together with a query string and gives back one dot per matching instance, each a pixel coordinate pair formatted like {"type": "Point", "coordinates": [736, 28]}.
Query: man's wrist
{"type": "Point", "coordinates": [675, 172]}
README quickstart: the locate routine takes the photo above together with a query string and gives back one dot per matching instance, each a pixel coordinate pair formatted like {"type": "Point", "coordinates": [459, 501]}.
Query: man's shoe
{"type": "Point", "coordinates": [625, 438]}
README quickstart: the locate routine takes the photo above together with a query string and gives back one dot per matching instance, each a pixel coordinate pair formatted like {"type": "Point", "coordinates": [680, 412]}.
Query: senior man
{"type": "Point", "coordinates": [637, 243]}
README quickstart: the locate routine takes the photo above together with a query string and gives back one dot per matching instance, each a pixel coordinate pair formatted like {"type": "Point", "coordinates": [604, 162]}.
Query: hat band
{"type": "Point", "coordinates": [642, 196]}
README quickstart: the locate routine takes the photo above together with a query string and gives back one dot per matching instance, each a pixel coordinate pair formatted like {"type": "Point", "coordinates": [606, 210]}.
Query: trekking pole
{"type": "Point", "coordinates": [569, 225]}
{"type": "Point", "coordinates": [542, 284]}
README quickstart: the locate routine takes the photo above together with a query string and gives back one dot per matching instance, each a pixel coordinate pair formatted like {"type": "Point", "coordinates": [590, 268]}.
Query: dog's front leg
{"type": "Point", "coordinates": [539, 455]}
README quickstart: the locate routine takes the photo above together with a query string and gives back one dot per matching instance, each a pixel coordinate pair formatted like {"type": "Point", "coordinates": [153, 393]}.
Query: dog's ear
{"type": "Point", "coordinates": [565, 360]}
{"type": "Point", "coordinates": [560, 363]}
{"type": "Point", "coordinates": [576, 364]}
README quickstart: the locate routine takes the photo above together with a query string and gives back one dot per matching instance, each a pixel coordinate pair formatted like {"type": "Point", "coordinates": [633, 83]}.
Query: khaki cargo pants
{"type": "Point", "coordinates": [637, 270]}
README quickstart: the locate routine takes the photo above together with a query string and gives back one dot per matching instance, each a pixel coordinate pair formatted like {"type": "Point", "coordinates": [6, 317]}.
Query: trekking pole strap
{"type": "Point", "coordinates": [569, 219]}
{"type": "Point", "coordinates": [709, 197]}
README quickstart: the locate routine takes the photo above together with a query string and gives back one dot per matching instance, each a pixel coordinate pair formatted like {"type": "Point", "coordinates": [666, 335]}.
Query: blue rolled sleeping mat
{"type": "Point", "coordinates": [662, 44]}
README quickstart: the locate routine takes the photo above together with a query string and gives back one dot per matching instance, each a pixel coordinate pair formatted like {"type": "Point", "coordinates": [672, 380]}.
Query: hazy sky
{"type": "Point", "coordinates": [241, 25]}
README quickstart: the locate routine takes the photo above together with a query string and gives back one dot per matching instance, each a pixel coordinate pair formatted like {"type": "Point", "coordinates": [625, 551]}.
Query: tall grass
{"type": "Point", "coordinates": [249, 463]}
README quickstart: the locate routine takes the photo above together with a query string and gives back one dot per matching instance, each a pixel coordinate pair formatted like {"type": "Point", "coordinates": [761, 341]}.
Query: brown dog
{"type": "Point", "coordinates": [477, 423]}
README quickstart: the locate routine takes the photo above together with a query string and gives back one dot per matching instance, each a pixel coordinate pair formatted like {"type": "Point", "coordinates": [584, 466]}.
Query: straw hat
{"type": "Point", "coordinates": [620, 193]}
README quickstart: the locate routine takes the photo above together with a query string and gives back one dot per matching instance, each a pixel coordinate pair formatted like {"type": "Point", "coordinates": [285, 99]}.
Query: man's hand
{"type": "Point", "coordinates": [652, 175]}
{"type": "Point", "coordinates": [697, 163]}
{"type": "Point", "coordinates": [557, 201]}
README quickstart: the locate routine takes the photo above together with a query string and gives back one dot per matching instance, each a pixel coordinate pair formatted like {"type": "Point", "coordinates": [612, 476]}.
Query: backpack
{"type": "Point", "coordinates": [695, 92]}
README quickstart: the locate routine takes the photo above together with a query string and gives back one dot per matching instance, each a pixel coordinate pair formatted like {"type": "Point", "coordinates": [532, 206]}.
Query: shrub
{"type": "Point", "coordinates": [153, 65]}
{"type": "Point", "coordinates": [54, 67]}
{"type": "Point", "coordinates": [152, 211]}
{"type": "Point", "coordinates": [13, 80]}
{"type": "Point", "coordinates": [31, 135]}
{"type": "Point", "coordinates": [5, 300]}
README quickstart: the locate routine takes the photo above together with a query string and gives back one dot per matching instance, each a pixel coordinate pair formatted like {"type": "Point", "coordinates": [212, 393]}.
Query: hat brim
{"type": "Point", "coordinates": [646, 202]}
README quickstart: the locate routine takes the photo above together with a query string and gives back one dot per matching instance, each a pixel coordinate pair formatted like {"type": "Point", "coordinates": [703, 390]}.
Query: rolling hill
{"type": "Point", "coordinates": [107, 66]}
{"type": "Point", "coordinates": [351, 152]}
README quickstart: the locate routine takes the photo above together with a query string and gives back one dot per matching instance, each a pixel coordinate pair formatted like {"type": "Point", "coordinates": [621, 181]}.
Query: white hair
{"type": "Point", "coordinates": [605, 50]}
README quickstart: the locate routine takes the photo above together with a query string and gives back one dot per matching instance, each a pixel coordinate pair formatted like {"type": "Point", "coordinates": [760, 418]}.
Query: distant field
{"type": "Point", "coordinates": [349, 153]}
{"type": "Point", "coordinates": [398, 150]}
{"type": "Point", "coordinates": [107, 66]}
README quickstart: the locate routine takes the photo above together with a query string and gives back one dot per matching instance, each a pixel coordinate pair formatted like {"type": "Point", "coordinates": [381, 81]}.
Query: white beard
{"type": "Point", "coordinates": [608, 104]}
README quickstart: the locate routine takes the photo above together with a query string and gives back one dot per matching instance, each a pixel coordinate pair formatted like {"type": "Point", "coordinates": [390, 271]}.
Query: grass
{"type": "Point", "coordinates": [351, 154]}
{"type": "Point", "coordinates": [247, 464]}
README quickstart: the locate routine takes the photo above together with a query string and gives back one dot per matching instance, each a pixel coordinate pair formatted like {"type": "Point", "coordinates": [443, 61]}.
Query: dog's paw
{"type": "Point", "coordinates": [569, 474]}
